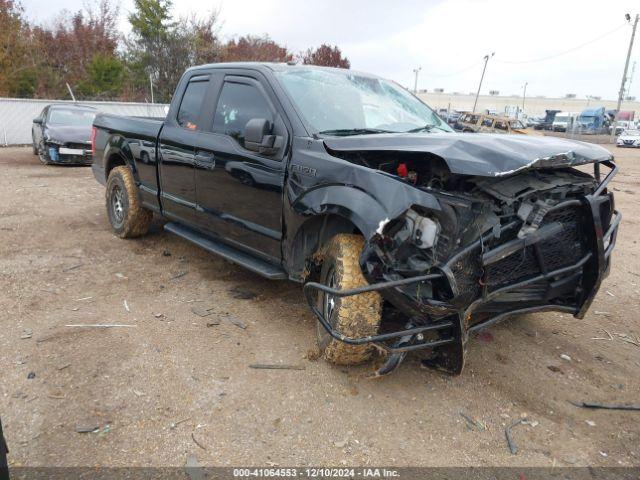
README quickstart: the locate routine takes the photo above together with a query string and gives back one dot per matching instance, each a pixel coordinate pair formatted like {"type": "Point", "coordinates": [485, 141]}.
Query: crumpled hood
{"type": "Point", "coordinates": [62, 133]}
{"type": "Point", "coordinates": [490, 155]}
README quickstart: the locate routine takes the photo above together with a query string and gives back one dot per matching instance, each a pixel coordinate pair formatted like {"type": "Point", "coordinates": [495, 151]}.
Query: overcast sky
{"type": "Point", "coordinates": [446, 38]}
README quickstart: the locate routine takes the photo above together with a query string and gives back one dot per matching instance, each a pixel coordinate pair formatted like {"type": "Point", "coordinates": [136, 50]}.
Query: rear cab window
{"type": "Point", "coordinates": [192, 102]}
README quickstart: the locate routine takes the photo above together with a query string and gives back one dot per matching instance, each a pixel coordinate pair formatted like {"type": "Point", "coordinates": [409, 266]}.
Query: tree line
{"type": "Point", "coordinates": [84, 51]}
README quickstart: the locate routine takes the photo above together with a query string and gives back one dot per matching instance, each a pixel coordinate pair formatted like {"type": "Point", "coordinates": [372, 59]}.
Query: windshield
{"type": "Point", "coordinates": [561, 119]}
{"type": "Point", "coordinates": [347, 103]}
{"type": "Point", "coordinates": [71, 118]}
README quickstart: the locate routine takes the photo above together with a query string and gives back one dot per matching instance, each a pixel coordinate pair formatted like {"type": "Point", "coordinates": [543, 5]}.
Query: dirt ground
{"type": "Point", "coordinates": [167, 385]}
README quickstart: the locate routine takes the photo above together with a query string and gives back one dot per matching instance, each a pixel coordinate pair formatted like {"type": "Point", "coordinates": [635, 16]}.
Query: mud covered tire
{"type": "Point", "coordinates": [127, 216]}
{"type": "Point", "coordinates": [354, 316]}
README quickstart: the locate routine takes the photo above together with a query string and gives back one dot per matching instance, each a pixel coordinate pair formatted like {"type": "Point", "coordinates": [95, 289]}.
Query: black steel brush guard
{"type": "Point", "coordinates": [452, 329]}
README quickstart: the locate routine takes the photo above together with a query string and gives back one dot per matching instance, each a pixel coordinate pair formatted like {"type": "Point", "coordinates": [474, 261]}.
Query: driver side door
{"type": "Point", "coordinates": [239, 192]}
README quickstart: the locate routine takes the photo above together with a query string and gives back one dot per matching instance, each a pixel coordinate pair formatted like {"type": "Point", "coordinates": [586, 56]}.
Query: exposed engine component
{"type": "Point", "coordinates": [422, 231]}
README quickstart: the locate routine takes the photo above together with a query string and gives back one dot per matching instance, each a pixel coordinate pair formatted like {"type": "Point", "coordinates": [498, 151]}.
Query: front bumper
{"type": "Point", "coordinates": [67, 155]}
{"type": "Point", "coordinates": [547, 275]}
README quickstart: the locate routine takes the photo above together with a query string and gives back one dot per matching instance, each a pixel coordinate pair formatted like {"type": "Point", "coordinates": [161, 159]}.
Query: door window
{"type": "Point", "coordinates": [239, 103]}
{"type": "Point", "coordinates": [192, 100]}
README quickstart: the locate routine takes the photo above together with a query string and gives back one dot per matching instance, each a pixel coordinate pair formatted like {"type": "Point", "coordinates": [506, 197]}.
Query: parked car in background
{"type": "Point", "coordinates": [533, 121]}
{"type": "Point", "coordinates": [629, 138]}
{"type": "Point", "coordinates": [562, 121]}
{"type": "Point", "coordinates": [62, 134]}
{"type": "Point", "coordinates": [480, 123]}
{"type": "Point", "coordinates": [621, 126]}
{"type": "Point", "coordinates": [454, 116]}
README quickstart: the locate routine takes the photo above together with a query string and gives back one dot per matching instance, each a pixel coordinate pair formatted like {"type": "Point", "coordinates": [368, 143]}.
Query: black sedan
{"type": "Point", "coordinates": [62, 134]}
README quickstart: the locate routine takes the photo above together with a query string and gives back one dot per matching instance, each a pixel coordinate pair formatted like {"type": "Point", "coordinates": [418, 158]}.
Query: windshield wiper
{"type": "Point", "coordinates": [343, 132]}
{"type": "Point", "coordinates": [424, 128]}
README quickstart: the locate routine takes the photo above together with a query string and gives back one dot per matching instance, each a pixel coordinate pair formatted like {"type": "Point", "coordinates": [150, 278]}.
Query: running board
{"type": "Point", "coordinates": [227, 252]}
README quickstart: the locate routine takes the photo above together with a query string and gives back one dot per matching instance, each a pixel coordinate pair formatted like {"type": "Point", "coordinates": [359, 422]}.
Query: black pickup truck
{"type": "Point", "coordinates": [406, 235]}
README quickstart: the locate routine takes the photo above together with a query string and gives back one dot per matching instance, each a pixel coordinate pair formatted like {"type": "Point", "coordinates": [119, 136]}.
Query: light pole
{"type": "Point", "coordinates": [524, 95]}
{"type": "Point", "coordinates": [624, 76]}
{"type": "Point", "coordinates": [486, 60]}
{"type": "Point", "coordinates": [416, 71]}
{"type": "Point", "coordinates": [151, 84]}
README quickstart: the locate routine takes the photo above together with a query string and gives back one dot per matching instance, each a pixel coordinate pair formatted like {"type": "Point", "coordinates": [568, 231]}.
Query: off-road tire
{"type": "Point", "coordinates": [34, 147]}
{"type": "Point", "coordinates": [126, 214]}
{"type": "Point", "coordinates": [354, 316]}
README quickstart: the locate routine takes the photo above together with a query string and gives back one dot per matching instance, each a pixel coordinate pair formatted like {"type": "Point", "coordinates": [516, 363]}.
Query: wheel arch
{"type": "Point", "coordinates": [311, 235]}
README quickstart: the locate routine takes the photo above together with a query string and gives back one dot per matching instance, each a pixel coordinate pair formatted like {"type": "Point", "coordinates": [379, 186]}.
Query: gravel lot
{"type": "Point", "coordinates": [168, 385]}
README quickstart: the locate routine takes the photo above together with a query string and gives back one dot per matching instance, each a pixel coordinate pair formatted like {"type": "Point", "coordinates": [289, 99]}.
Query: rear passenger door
{"type": "Point", "coordinates": [176, 151]}
{"type": "Point", "coordinates": [239, 191]}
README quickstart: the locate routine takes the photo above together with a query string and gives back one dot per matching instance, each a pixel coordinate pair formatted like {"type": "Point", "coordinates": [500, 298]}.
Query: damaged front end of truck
{"type": "Point", "coordinates": [516, 227]}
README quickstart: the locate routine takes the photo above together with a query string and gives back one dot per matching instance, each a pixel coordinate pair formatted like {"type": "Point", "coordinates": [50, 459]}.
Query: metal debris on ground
{"type": "Point", "coordinates": [126, 306]}
{"type": "Point", "coordinates": [26, 334]}
{"type": "Point", "coordinates": [72, 267]}
{"type": "Point", "coordinates": [507, 433]}
{"type": "Point", "coordinates": [193, 437]}
{"type": "Point", "coordinates": [603, 338]}
{"type": "Point", "coordinates": [276, 366]}
{"type": "Point", "coordinates": [31, 375]}
{"type": "Point", "coordinates": [178, 275]}
{"type": "Point", "coordinates": [627, 338]}
{"type": "Point", "coordinates": [555, 369]}
{"type": "Point", "coordinates": [566, 357]}
{"type": "Point", "coordinates": [121, 276]}
{"type": "Point", "coordinates": [237, 323]}
{"type": "Point", "coordinates": [472, 422]}
{"type": "Point", "coordinates": [62, 367]}
{"type": "Point", "coordinates": [204, 311]}
{"type": "Point", "coordinates": [175, 424]}
{"type": "Point", "coordinates": [213, 323]}
{"type": "Point", "coordinates": [242, 293]}
{"type": "Point", "coordinates": [607, 406]}
{"type": "Point", "coordinates": [87, 428]}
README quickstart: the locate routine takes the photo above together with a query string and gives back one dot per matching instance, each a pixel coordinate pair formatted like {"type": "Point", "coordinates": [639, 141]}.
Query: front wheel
{"type": "Point", "coordinates": [127, 216]}
{"type": "Point", "coordinates": [354, 316]}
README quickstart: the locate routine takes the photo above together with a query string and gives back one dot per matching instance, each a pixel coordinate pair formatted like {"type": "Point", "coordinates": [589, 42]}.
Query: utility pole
{"type": "Point", "coordinates": [524, 95]}
{"type": "Point", "coordinates": [416, 71]}
{"type": "Point", "coordinates": [486, 60]}
{"type": "Point", "coordinates": [633, 71]}
{"type": "Point", "coordinates": [624, 76]}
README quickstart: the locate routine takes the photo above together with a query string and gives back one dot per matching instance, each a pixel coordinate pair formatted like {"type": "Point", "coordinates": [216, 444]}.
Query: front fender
{"type": "Point", "coordinates": [345, 201]}
{"type": "Point", "coordinates": [375, 201]}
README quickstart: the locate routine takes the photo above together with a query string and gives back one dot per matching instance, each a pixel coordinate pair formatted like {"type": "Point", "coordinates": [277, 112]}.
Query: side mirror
{"type": "Point", "coordinates": [258, 138]}
{"type": "Point", "coordinates": [37, 120]}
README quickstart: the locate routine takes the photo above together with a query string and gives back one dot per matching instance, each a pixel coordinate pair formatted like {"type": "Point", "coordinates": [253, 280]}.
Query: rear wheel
{"type": "Point", "coordinates": [354, 316]}
{"type": "Point", "coordinates": [127, 216]}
